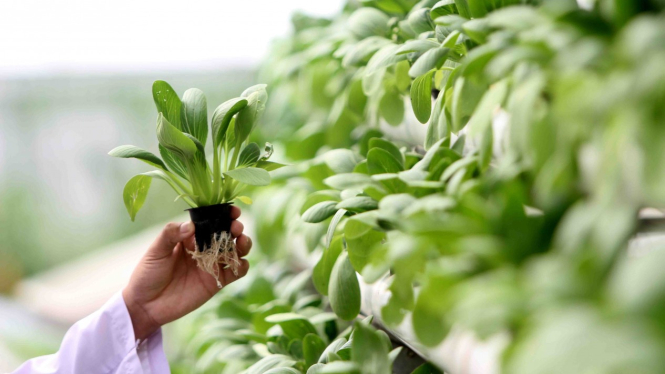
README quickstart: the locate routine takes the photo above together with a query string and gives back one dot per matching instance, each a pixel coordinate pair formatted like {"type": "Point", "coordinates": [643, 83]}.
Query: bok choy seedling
{"type": "Point", "coordinates": [207, 183]}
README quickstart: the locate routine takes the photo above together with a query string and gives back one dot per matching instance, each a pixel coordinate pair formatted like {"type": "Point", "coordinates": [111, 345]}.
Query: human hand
{"type": "Point", "coordinates": [167, 284]}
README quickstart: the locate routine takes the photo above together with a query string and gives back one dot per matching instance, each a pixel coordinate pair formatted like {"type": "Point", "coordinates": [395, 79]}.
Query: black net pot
{"type": "Point", "coordinates": [209, 221]}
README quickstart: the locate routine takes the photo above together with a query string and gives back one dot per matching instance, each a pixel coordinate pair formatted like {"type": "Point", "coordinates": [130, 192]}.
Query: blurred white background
{"type": "Point", "coordinates": [44, 37]}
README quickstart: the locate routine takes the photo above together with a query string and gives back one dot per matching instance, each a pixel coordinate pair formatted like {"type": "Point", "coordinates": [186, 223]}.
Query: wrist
{"type": "Point", "coordinates": [143, 324]}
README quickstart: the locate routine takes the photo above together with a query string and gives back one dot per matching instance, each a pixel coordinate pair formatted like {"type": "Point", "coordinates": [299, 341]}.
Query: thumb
{"type": "Point", "coordinates": [172, 234]}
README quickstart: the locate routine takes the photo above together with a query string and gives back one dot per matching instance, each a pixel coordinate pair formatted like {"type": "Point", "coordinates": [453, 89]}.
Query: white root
{"type": "Point", "coordinates": [222, 251]}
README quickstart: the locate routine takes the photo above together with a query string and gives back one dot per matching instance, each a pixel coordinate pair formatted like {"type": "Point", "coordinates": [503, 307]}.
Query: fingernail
{"type": "Point", "coordinates": [186, 227]}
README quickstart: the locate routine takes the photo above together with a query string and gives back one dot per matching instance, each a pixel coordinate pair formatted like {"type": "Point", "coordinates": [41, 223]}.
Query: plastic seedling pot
{"type": "Point", "coordinates": [214, 243]}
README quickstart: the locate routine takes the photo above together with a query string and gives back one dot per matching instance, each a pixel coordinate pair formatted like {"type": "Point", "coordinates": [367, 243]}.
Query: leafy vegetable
{"type": "Point", "coordinates": [182, 131]}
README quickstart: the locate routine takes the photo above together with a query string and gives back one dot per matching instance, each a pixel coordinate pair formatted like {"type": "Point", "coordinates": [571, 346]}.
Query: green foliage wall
{"type": "Point", "coordinates": [544, 140]}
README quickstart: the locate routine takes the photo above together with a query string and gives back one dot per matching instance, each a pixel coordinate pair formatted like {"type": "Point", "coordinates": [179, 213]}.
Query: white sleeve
{"type": "Point", "coordinates": [103, 343]}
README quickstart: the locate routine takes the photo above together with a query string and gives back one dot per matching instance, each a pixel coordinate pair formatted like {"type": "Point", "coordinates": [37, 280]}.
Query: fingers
{"type": "Point", "coordinates": [243, 245]}
{"type": "Point", "coordinates": [229, 277]}
{"type": "Point", "coordinates": [172, 234]}
{"type": "Point", "coordinates": [190, 243]}
{"type": "Point", "coordinates": [235, 212]}
{"type": "Point", "coordinates": [236, 228]}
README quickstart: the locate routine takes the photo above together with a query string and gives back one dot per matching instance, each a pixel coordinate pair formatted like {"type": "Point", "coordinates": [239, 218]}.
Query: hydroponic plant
{"type": "Point", "coordinates": [182, 132]}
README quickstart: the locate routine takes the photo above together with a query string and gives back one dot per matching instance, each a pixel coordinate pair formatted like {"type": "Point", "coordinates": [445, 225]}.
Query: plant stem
{"type": "Point", "coordinates": [172, 182]}
{"type": "Point", "coordinates": [177, 180]}
{"type": "Point", "coordinates": [216, 175]}
{"type": "Point", "coordinates": [234, 159]}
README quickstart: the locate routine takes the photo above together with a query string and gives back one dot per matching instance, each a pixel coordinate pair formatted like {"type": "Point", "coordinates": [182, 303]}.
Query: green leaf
{"type": "Point", "coordinates": [199, 146]}
{"type": "Point", "coordinates": [451, 40]}
{"type": "Point", "coordinates": [380, 161]}
{"type": "Point", "coordinates": [402, 79]}
{"type": "Point", "coordinates": [294, 325]}
{"type": "Point", "coordinates": [173, 162]}
{"type": "Point", "coordinates": [477, 30]}
{"type": "Point", "coordinates": [364, 140]}
{"type": "Point", "coordinates": [392, 356]}
{"type": "Point", "coordinates": [130, 151]}
{"type": "Point", "coordinates": [344, 290]}
{"type": "Point", "coordinates": [427, 368]}
{"type": "Point", "coordinates": [285, 370]}
{"type": "Point", "coordinates": [396, 203]}
{"type": "Point", "coordinates": [361, 239]}
{"type": "Point", "coordinates": [366, 22]}
{"type": "Point", "coordinates": [391, 182]}
{"type": "Point", "coordinates": [341, 367]}
{"type": "Point", "coordinates": [175, 140]}
{"type": "Point", "coordinates": [421, 96]}
{"type": "Point", "coordinates": [249, 155]}
{"type": "Point", "coordinates": [316, 369]}
{"type": "Point", "coordinates": [245, 200]}
{"type": "Point", "coordinates": [135, 193]}
{"type": "Point", "coordinates": [345, 351]}
{"type": "Point", "coordinates": [312, 346]}
{"type": "Point", "coordinates": [362, 51]}
{"type": "Point", "coordinates": [389, 6]}
{"type": "Point", "coordinates": [221, 118]}
{"type": "Point", "coordinates": [458, 146]}
{"type": "Point", "coordinates": [420, 21]}
{"type": "Point", "coordinates": [391, 107]}
{"type": "Point", "coordinates": [317, 197]}
{"type": "Point", "coordinates": [491, 101]}
{"type": "Point", "coordinates": [270, 362]}
{"type": "Point", "coordinates": [466, 95]}
{"type": "Point", "coordinates": [251, 114]}
{"type": "Point", "coordinates": [477, 8]}
{"type": "Point", "coordinates": [349, 181]}
{"type": "Point", "coordinates": [358, 204]}
{"type": "Point", "coordinates": [383, 58]}
{"type": "Point", "coordinates": [313, 233]}
{"type": "Point", "coordinates": [230, 137]}
{"type": "Point", "coordinates": [320, 212]}
{"type": "Point", "coordinates": [429, 156]}
{"type": "Point", "coordinates": [194, 115]}
{"type": "Point", "coordinates": [269, 165]}
{"type": "Point", "coordinates": [369, 350]}
{"type": "Point", "coordinates": [341, 160]}
{"type": "Point", "coordinates": [443, 8]}
{"type": "Point", "coordinates": [361, 167]}
{"type": "Point", "coordinates": [438, 126]}
{"type": "Point", "coordinates": [333, 225]}
{"type": "Point", "coordinates": [250, 176]}
{"type": "Point", "coordinates": [478, 58]}
{"type": "Point", "coordinates": [387, 146]}
{"type": "Point", "coordinates": [167, 102]}
{"type": "Point", "coordinates": [417, 46]}
{"type": "Point", "coordinates": [451, 21]}
{"type": "Point", "coordinates": [260, 88]}
{"type": "Point", "coordinates": [333, 347]}
{"type": "Point", "coordinates": [463, 8]}
{"type": "Point", "coordinates": [432, 59]}
{"type": "Point", "coordinates": [323, 268]}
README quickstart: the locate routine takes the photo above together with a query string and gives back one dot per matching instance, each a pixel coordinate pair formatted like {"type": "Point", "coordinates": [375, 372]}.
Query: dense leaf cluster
{"type": "Point", "coordinates": [275, 322]}
{"type": "Point", "coordinates": [514, 212]}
